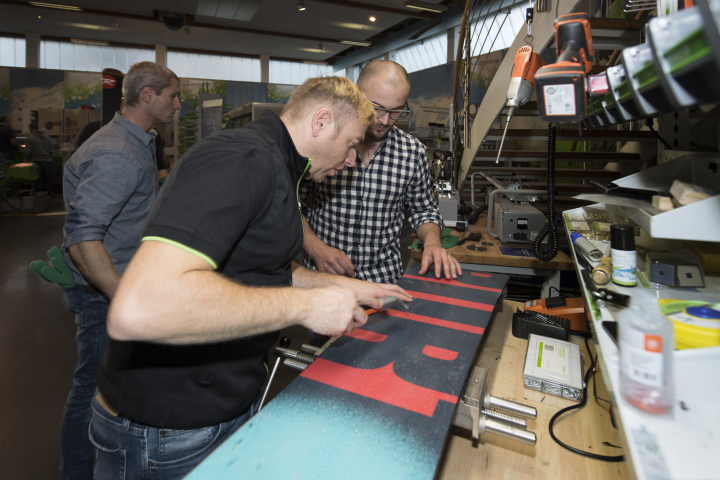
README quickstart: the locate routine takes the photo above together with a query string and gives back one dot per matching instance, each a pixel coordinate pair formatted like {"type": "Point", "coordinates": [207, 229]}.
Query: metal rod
{"type": "Point", "coordinates": [505, 417]}
{"type": "Point", "coordinates": [295, 365]}
{"type": "Point", "coordinates": [294, 354]}
{"type": "Point", "coordinates": [267, 389]}
{"type": "Point", "coordinates": [507, 405]}
{"type": "Point", "coordinates": [466, 101]}
{"type": "Point", "coordinates": [309, 349]}
{"type": "Point", "coordinates": [511, 110]}
{"type": "Point", "coordinates": [499, 428]}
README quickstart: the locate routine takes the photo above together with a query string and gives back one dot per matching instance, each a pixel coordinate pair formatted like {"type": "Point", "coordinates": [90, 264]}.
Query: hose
{"type": "Point", "coordinates": [551, 226]}
{"type": "Point", "coordinates": [473, 218]}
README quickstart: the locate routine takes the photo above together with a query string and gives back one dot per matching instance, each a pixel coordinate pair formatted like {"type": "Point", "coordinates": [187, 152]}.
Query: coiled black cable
{"type": "Point", "coordinates": [551, 226]}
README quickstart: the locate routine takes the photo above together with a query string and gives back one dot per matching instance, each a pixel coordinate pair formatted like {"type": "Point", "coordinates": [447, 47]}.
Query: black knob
{"type": "Point", "coordinates": [284, 342]}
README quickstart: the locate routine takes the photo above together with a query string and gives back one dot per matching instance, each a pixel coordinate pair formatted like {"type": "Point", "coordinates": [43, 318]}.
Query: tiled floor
{"type": "Point", "coordinates": [37, 350]}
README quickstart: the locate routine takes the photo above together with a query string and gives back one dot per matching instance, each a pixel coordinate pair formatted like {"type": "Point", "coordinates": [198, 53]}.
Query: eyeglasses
{"type": "Point", "coordinates": [380, 112]}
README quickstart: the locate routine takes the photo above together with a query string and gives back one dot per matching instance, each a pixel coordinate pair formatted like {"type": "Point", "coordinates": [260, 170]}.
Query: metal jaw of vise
{"type": "Point", "coordinates": [482, 413]}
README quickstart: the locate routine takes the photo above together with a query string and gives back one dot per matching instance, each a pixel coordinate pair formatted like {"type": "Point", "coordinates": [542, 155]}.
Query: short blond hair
{"type": "Point", "coordinates": [340, 95]}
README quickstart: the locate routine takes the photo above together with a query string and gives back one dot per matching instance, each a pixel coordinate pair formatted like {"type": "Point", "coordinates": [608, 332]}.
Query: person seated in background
{"type": "Point", "coordinates": [39, 150]}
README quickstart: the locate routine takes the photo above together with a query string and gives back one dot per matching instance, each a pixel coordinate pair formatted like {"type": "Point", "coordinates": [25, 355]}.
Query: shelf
{"type": "Point", "coordinates": [697, 221]}
{"type": "Point", "coordinates": [541, 156]}
{"type": "Point", "coordinates": [573, 135]}
{"type": "Point", "coordinates": [686, 445]}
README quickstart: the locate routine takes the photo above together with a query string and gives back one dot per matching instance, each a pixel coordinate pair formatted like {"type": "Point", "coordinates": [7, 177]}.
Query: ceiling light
{"type": "Point", "coordinates": [321, 46]}
{"type": "Point", "coordinates": [89, 42]}
{"type": "Point", "coordinates": [301, 5]}
{"type": "Point", "coordinates": [54, 5]}
{"type": "Point", "coordinates": [372, 18]}
{"type": "Point", "coordinates": [113, 23]}
{"type": "Point", "coordinates": [427, 6]}
{"type": "Point", "coordinates": [359, 43]}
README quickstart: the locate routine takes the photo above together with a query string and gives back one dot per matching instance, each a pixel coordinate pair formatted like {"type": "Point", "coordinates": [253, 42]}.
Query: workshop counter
{"type": "Point", "coordinates": [495, 457]}
{"type": "Point", "coordinates": [494, 261]}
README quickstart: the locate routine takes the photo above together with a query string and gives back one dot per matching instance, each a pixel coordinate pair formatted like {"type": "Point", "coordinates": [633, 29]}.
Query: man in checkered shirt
{"type": "Point", "coordinates": [353, 219]}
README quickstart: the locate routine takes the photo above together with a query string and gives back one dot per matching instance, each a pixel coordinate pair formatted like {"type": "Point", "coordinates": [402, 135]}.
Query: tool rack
{"type": "Point", "coordinates": [676, 68]}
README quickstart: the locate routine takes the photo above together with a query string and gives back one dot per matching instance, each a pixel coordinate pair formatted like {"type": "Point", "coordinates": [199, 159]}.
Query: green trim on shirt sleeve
{"type": "Point", "coordinates": [183, 247]}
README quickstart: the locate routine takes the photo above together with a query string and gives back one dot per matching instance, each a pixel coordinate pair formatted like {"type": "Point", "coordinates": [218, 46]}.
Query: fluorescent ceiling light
{"type": "Point", "coordinates": [312, 50]}
{"type": "Point", "coordinates": [55, 5]}
{"type": "Point", "coordinates": [89, 42]}
{"type": "Point", "coordinates": [359, 43]}
{"type": "Point", "coordinates": [427, 6]}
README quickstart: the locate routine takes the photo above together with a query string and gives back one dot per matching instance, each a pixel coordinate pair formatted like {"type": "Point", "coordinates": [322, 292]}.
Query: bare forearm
{"type": "Point", "coordinates": [95, 264]}
{"type": "Point", "coordinates": [429, 234]}
{"type": "Point", "coordinates": [307, 278]}
{"type": "Point", "coordinates": [201, 307]}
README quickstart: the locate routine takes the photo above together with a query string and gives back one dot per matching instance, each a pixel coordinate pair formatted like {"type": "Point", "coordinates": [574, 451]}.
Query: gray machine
{"type": "Point", "coordinates": [516, 221]}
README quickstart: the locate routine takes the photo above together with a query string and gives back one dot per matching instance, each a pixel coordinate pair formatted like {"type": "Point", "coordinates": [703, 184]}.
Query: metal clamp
{"type": "Point", "coordinates": [482, 413]}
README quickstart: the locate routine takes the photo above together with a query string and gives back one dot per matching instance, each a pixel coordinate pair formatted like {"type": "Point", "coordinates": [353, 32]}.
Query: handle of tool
{"type": "Point", "coordinates": [602, 273]}
{"type": "Point", "coordinates": [370, 311]}
{"type": "Point", "coordinates": [511, 110]}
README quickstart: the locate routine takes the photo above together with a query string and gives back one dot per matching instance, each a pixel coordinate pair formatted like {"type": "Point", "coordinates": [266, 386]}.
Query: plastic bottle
{"type": "Point", "coordinates": [646, 357]}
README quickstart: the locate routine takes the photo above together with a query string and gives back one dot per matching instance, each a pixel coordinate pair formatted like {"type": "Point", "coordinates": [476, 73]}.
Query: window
{"type": "Point", "coordinates": [12, 52]}
{"type": "Point", "coordinates": [90, 58]}
{"type": "Point", "coordinates": [214, 67]}
{"type": "Point", "coordinates": [491, 36]}
{"type": "Point", "coordinates": [427, 53]}
{"type": "Point", "coordinates": [295, 73]}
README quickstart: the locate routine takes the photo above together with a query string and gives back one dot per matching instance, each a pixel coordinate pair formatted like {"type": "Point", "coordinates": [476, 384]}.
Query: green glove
{"type": "Point", "coordinates": [449, 241]}
{"type": "Point", "coordinates": [61, 274]}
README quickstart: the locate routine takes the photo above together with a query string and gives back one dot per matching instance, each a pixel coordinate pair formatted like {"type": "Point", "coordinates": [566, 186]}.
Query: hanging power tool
{"type": "Point", "coordinates": [562, 86]}
{"type": "Point", "coordinates": [522, 83]}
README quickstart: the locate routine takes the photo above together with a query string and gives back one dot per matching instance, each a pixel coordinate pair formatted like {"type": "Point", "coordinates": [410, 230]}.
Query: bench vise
{"type": "Point", "coordinates": [482, 413]}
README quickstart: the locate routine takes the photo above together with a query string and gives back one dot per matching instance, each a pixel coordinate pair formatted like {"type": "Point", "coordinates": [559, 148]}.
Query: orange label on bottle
{"type": "Point", "coordinates": [653, 343]}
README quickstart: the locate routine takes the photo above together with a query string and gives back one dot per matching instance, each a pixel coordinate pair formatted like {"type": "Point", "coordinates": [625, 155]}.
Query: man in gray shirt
{"type": "Point", "coordinates": [109, 185]}
{"type": "Point", "coordinates": [39, 150]}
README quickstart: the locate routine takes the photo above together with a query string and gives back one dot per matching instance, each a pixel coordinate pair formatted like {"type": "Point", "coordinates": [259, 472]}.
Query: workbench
{"type": "Point", "coordinates": [495, 262]}
{"type": "Point", "coordinates": [494, 457]}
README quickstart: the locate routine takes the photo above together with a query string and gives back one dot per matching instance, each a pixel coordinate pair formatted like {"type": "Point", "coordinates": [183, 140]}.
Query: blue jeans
{"type": "Point", "coordinates": [130, 451]}
{"type": "Point", "coordinates": [76, 452]}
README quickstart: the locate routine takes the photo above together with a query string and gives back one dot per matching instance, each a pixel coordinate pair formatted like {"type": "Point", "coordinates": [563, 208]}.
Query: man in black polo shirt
{"type": "Point", "coordinates": [203, 299]}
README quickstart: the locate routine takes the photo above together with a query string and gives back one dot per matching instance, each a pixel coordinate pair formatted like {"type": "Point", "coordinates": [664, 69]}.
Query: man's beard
{"type": "Point", "coordinates": [373, 133]}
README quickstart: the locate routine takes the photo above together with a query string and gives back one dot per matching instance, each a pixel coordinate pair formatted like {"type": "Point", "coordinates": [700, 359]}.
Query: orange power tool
{"type": "Point", "coordinates": [522, 83]}
{"type": "Point", "coordinates": [562, 86]}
